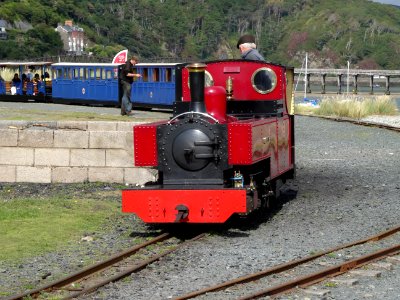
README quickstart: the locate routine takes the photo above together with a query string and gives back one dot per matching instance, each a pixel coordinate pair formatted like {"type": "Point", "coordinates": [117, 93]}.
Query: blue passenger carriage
{"type": "Point", "coordinates": [25, 81]}
{"type": "Point", "coordinates": [86, 83]}
{"type": "Point", "coordinates": [99, 84]}
{"type": "Point", "coordinates": [156, 88]}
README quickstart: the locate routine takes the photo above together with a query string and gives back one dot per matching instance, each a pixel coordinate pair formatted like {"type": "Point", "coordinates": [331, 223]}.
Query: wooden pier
{"type": "Point", "coordinates": [355, 74]}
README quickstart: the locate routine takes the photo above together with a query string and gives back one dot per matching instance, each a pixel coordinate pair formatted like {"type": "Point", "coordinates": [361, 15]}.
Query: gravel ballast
{"type": "Point", "coordinates": [347, 188]}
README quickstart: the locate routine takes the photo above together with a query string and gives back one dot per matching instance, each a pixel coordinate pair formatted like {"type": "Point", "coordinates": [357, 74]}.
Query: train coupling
{"type": "Point", "coordinates": [183, 213]}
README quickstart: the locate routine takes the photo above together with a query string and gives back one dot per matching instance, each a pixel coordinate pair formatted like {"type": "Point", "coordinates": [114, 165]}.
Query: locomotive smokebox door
{"type": "Point", "coordinates": [192, 151]}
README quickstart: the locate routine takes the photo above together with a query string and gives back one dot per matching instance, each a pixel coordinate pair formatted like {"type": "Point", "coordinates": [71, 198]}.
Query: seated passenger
{"type": "Point", "coordinates": [47, 76]}
{"type": "Point", "coordinates": [29, 75]}
{"type": "Point", "coordinates": [16, 79]}
{"type": "Point", "coordinates": [36, 81]}
{"type": "Point", "coordinates": [16, 85]}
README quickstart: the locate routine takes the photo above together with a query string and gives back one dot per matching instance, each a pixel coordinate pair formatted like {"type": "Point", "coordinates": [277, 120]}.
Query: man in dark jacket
{"type": "Point", "coordinates": [248, 49]}
{"type": "Point", "coordinates": [127, 75]}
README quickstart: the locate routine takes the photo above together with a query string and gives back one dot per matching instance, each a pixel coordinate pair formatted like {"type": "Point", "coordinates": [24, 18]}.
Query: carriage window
{"type": "Point", "coordinates": [145, 75]}
{"type": "Point", "coordinates": [168, 75]}
{"type": "Point", "coordinates": [264, 80]}
{"type": "Point", "coordinates": [156, 75]}
{"type": "Point", "coordinates": [99, 74]}
{"type": "Point", "coordinates": [76, 74]}
{"type": "Point", "coordinates": [81, 73]}
{"type": "Point", "coordinates": [92, 74]}
{"type": "Point", "coordinates": [109, 74]}
{"type": "Point", "coordinates": [67, 73]}
{"type": "Point", "coordinates": [58, 73]}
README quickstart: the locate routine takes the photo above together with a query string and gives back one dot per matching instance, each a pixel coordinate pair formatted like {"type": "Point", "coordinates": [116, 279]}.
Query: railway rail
{"type": "Point", "coordinates": [306, 280]}
{"type": "Point", "coordinates": [95, 276]}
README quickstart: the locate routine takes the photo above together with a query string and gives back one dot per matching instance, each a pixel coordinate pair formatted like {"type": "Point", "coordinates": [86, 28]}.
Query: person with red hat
{"type": "Point", "coordinates": [248, 49]}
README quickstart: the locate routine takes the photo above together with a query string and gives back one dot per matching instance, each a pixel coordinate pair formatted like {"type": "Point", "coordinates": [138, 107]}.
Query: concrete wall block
{"type": "Point", "coordinates": [36, 138]}
{"type": "Point", "coordinates": [139, 175]}
{"type": "Point", "coordinates": [126, 126]}
{"type": "Point", "coordinates": [7, 173]}
{"type": "Point", "coordinates": [52, 157]}
{"type": "Point", "coordinates": [129, 141]}
{"type": "Point", "coordinates": [33, 174]}
{"type": "Point", "coordinates": [13, 124]}
{"type": "Point", "coordinates": [119, 158]}
{"type": "Point", "coordinates": [101, 126]}
{"type": "Point", "coordinates": [108, 139]}
{"type": "Point", "coordinates": [88, 158]}
{"type": "Point", "coordinates": [16, 156]}
{"type": "Point", "coordinates": [69, 175]}
{"type": "Point", "coordinates": [72, 125]}
{"type": "Point", "coordinates": [8, 137]}
{"type": "Point", "coordinates": [106, 175]}
{"type": "Point", "coordinates": [71, 139]}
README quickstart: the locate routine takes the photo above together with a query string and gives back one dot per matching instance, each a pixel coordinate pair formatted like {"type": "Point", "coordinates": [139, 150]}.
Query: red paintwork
{"type": "Point", "coordinates": [241, 72]}
{"type": "Point", "coordinates": [145, 144]}
{"type": "Point", "coordinates": [250, 141]}
{"type": "Point", "coordinates": [285, 159]}
{"type": "Point", "coordinates": [205, 206]}
{"type": "Point", "coordinates": [215, 101]}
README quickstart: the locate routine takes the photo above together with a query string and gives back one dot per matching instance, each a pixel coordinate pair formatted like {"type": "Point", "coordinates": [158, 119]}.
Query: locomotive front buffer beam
{"type": "Point", "coordinates": [157, 205]}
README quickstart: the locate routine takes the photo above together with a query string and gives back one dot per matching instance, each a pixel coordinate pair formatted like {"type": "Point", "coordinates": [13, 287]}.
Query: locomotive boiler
{"type": "Point", "coordinates": [227, 148]}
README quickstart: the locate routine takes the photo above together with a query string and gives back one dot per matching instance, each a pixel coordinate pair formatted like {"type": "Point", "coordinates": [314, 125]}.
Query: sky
{"type": "Point", "coordinates": [395, 2]}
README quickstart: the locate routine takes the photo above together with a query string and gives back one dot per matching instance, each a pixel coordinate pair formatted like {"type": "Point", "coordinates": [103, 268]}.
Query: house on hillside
{"type": "Point", "coordinates": [3, 32]}
{"type": "Point", "coordinates": [73, 37]}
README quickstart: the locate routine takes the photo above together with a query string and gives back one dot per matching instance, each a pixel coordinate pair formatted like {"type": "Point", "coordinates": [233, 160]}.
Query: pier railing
{"type": "Point", "coordinates": [355, 74]}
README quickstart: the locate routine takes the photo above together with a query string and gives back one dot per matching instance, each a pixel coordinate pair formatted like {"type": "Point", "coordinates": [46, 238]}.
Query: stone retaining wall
{"type": "Point", "coordinates": [67, 152]}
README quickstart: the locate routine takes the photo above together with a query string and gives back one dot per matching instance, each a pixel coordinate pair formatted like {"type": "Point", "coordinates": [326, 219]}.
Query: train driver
{"type": "Point", "coordinates": [248, 49]}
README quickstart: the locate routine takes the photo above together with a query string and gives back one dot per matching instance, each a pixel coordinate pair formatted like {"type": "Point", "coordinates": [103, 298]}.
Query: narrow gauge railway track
{"type": "Point", "coordinates": [306, 280]}
{"type": "Point", "coordinates": [95, 276]}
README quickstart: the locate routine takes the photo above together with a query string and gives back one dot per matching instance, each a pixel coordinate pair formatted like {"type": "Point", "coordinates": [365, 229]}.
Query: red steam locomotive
{"type": "Point", "coordinates": [227, 149]}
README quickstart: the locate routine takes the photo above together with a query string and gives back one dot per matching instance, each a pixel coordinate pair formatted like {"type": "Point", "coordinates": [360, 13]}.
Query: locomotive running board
{"type": "Point", "coordinates": [204, 206]}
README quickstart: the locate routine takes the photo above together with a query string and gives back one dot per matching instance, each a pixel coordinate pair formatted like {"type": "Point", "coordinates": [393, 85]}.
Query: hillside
{"type": "Point", "coordinates": [331, 31]}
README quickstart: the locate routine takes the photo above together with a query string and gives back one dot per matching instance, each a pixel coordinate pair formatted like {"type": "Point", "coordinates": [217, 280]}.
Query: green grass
{"type": "Point", "coordinates": [353, 107]}
{"type": "Point", "coordinates": [31, 226]}
{"type": "Point", "coordinates": [37, 115]}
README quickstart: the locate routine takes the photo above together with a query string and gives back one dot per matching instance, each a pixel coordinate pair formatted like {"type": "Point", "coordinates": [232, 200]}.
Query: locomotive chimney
{"type": "Point", "coordinates": [196, 80]}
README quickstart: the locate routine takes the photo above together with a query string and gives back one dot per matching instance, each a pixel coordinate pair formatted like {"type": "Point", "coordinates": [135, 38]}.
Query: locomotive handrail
{"type": "Point", "coordinates": [192, 112]}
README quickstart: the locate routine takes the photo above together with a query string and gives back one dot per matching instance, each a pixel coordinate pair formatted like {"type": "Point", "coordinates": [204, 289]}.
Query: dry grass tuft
{"type": "Point", "coordinates": [349, 106]}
